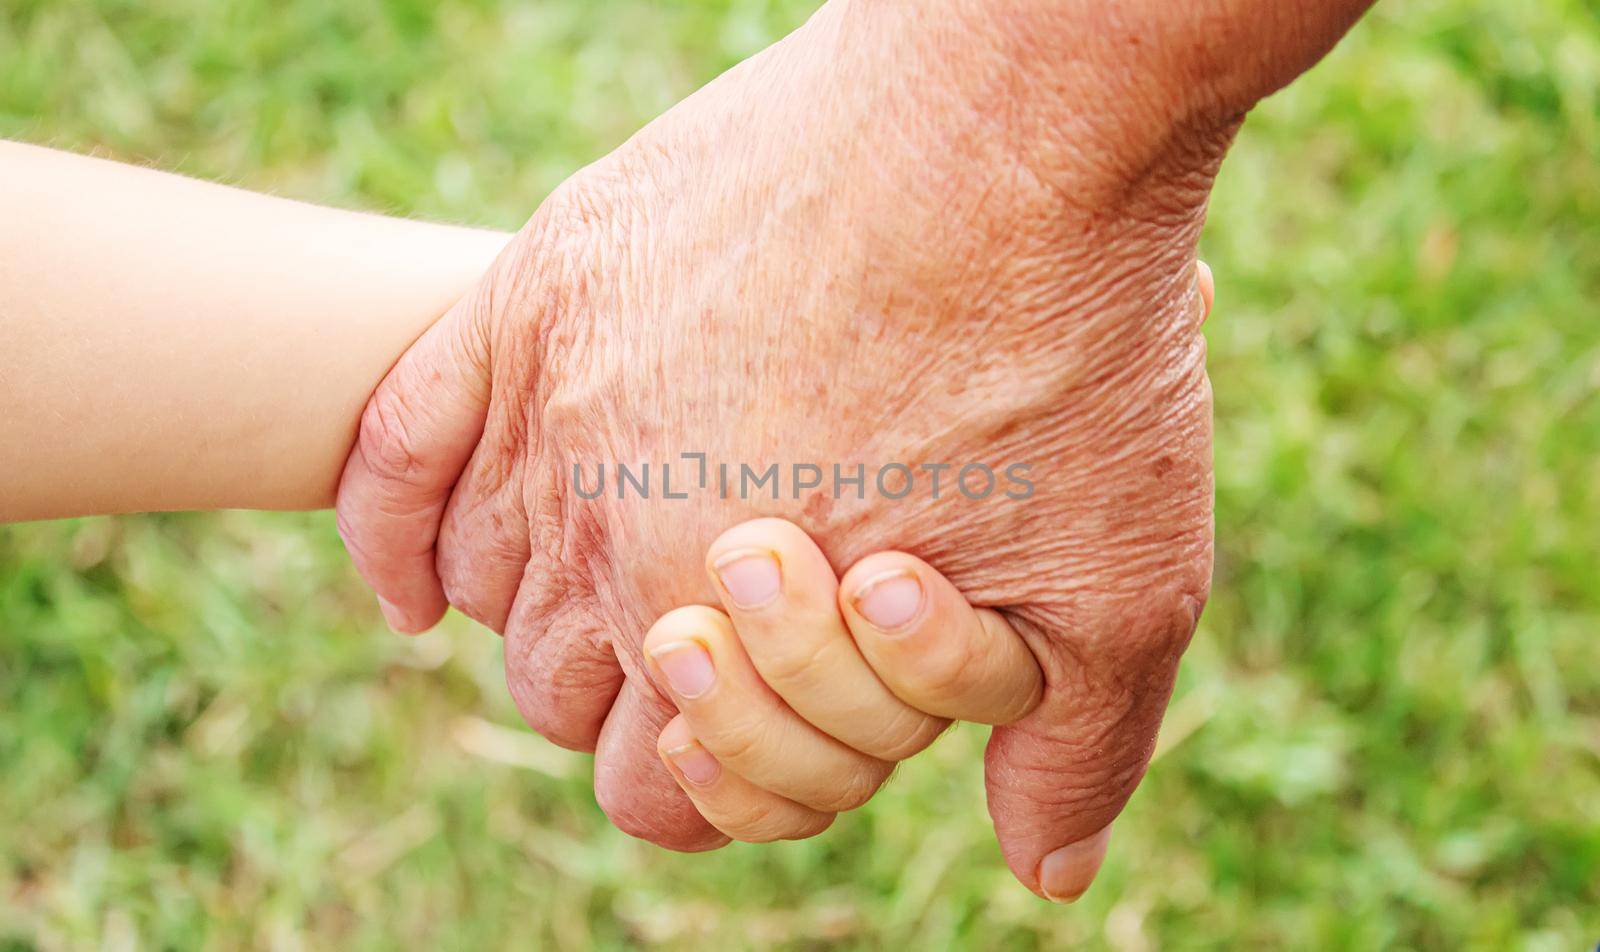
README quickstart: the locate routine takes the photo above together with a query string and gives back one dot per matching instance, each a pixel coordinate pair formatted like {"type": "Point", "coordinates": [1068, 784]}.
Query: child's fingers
{"type": "Point", "coordinates": [782, 595]}
{"type": "Point", "coordinates": [696, 657]}
{"type": "Point", "coordinates": [932, 649]}
{"type": "Point", "coordinates": [1208, 287]}
{"type": "Point", "coordinates": [729, 802]}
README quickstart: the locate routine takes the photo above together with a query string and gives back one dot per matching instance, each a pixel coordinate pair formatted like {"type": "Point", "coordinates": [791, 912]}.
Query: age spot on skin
{"type": "Point", "coordinates": [817, 508]}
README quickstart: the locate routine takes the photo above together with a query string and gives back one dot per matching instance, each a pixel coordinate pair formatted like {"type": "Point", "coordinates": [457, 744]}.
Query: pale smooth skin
{"type": "Point", "coordinates": [167, 343]}
{"type": "Point", "coordinates": [784, 722]}
{"type": "Point", "coordinates": [996, 201]}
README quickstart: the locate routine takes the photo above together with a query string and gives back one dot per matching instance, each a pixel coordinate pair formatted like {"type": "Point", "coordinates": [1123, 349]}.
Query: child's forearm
{"type": "Point", "coordinates": [173, 344]}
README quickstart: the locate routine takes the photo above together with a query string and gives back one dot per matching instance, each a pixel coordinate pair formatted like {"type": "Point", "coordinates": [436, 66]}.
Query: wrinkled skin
{"type": "Point", "coordinates": [879, 241]}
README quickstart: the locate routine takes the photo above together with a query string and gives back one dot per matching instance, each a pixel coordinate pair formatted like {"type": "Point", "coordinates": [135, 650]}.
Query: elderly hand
{"type": "Point", "coordinates": [920, 234]}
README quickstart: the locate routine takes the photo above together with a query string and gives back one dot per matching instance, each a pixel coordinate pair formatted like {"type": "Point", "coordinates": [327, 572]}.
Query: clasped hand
{"type": "Point", "coordinates": [820, 258]}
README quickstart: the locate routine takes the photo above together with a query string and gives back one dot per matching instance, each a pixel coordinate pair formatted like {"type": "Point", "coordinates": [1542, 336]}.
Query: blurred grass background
{"type": "Point", "coordinates": [1387, 733]}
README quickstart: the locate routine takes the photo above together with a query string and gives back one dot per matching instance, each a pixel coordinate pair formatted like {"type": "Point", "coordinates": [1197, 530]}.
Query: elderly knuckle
{"type": "Point", "coordinates": [580, 203]}
{"type": "Point", "coordinates": [1162, 629]}
{"type": "Point", "coordinates": [385, 439]}
{"type": "Point", "coordinates": [555, 689]}
{"type": "Point", "coordinates": [559, 730]}
{"type": "Point", "coordinates": [1088, 794]}
{"type": "Point", "coordinates": [639, 817]}
{"type": "Point", "coordinates": [546, 718]}
{"type": "Point", "coordinates": [1093, 774]}
{"type": "Point", "coordinates": [583, 223]}
{"type": "Point", "coordinates": [351, 530]}
{"type": "Point", "coordinates": [466, 593]}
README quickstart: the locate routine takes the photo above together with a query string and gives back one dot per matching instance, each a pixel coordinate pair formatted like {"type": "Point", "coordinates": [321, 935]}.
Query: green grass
{"type": "Point", "coordinates": [1387, 733]}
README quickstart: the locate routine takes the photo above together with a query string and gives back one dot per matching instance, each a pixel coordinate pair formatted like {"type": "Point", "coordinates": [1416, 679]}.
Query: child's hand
{"type": "Point", "coordinates": [795, 705]}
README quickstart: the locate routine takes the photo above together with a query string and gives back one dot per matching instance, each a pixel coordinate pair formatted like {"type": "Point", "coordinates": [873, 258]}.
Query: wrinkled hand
{"type": "Point", "coordinates": [890, 238]}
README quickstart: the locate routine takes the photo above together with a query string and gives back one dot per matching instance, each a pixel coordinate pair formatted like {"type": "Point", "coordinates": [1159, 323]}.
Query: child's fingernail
{"type": "Point", "coordinates": [891, 600]}
{"type": "Point", "coordinates": [696, 764]}
{"type": "Point", "coordinates": [686, 666]}
{"type": "Point", "coordinates": [751, 577]}
{"type": "Point", "coordinates": [1066, 874]}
